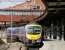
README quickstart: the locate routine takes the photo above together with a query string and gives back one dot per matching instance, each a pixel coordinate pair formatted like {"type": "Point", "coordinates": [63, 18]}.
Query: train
{"type": "Point", "coordinates": [30, 35]}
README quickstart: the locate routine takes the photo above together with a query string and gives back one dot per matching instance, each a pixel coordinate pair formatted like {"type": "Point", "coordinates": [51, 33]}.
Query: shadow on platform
{"type": "Point", "coordinates": [48, 40]}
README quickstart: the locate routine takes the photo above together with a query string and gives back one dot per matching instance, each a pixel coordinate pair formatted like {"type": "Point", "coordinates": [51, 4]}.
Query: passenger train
{"type": "Point", "coordinates": [30, 35]}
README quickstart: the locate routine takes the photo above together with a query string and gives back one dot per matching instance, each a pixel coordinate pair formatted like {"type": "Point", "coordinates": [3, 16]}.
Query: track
{"type": "Point", "coordinates": [12, 46]}
{"type": "Point", "coordinates": [15, 47]}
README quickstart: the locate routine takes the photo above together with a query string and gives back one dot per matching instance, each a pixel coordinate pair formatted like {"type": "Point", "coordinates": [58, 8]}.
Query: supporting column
{"type": "Point", "coordinates": [51, 31]}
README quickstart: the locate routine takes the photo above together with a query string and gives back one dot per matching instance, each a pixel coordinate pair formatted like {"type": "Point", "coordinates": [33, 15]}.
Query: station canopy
{"type": "Point", "coordinates": [28, 10]}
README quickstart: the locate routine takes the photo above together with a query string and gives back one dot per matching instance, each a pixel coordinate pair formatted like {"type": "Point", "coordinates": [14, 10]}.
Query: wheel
{"type": "Point", "coordinates": [32, 48]}
{"type": "Point", "coordinates": [9, 40]}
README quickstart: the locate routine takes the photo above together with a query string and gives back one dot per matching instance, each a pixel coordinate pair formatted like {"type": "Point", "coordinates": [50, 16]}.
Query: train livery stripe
{"type": "Point", "coordinates": [33, 37]}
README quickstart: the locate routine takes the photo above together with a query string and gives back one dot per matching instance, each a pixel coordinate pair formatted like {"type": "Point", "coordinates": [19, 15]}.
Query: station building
{"type": "Point", "coordinates": [23, 13]}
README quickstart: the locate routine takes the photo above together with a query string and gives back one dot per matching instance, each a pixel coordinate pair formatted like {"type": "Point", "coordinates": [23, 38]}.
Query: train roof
{"type": "Point", "coordinates": [33, 24]}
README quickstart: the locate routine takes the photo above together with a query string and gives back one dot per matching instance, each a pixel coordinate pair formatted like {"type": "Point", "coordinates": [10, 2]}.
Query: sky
{"type": "Point", "coordinates": [9, 3]}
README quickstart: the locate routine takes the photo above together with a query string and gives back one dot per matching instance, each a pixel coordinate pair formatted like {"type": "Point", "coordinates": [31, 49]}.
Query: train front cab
{"type": "Point", "coordinates": [33, 34]}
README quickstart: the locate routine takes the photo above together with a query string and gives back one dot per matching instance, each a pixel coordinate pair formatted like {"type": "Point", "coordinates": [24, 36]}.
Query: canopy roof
{"type": "Point", "coordinates": [27, 11]}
